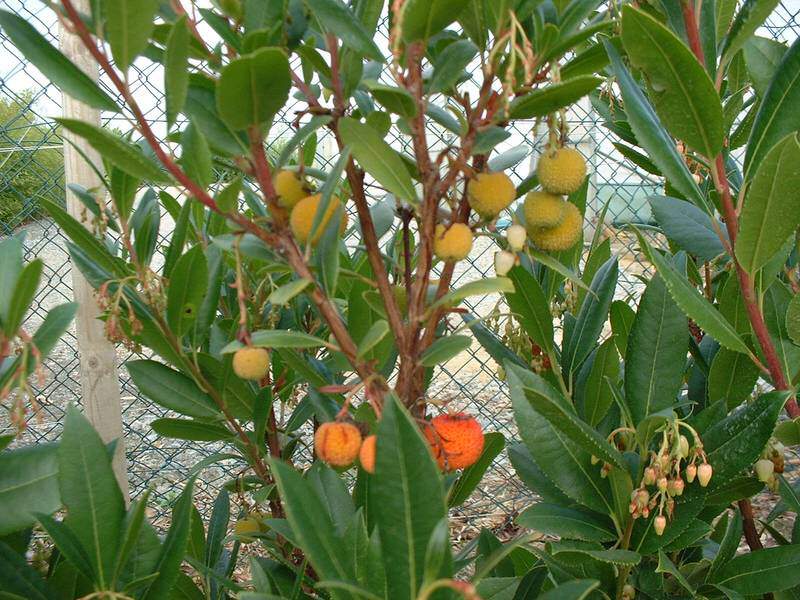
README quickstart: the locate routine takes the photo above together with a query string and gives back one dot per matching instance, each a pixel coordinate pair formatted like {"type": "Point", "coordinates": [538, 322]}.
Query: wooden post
{"type": "Point", "coordinates": [98, 357]}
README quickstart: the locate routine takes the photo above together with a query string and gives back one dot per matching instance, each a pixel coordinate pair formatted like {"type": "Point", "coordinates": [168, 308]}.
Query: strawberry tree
{"type": "Point", "coordinates": [298, 305]}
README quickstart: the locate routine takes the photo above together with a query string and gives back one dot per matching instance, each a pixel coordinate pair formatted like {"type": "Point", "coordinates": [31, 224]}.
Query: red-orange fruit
{"type": "Point", "coordinates": [366, 455]}
{"type": "Point", "coordinates": [456, 440]}
{"type": "Point", "coordinates": [337, 443]}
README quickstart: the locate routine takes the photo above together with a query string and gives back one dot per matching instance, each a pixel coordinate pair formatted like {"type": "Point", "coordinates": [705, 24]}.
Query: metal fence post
{"type": "Point", "coordinates": [98, 358]}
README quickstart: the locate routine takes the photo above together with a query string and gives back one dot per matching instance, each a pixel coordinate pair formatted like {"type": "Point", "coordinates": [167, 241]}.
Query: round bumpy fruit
{"type": "Point", "coordinates": [456, 440]}
{"type": "Point", "coordinates": [454, 243]}
{"type": "Point", "coordinates": [289, 187]}
{"type": "Point", "coordinates": [561, 171]}
{"type": "Point", "coordinates": [337, 444]}
{"type": "Point", "coordinates": [366, 456]}
{"type": "Point", "coordinates": [563, 236]}
{"type": "Point", "coordinates": [302, 218]}
{"type": "Point", "coordinates": [489, 193]}
{"type": "Point", "coordinates": [543, 210]}
{"type": "Point", "coordinates": [251, 363]}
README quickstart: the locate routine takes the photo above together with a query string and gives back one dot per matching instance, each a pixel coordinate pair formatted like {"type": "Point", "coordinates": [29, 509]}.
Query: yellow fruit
{"type": "Point", "coordinates": [337, 443]}
{"type": "Point", "coordinates": [543, 209]}
{"type": "Point", "coordinates": [289, 187]}
{"type": "Point", "coordinates": [561, 171]}
{"type": "Point", "coordinates": [489, 193]}
{"type": "Point", "coordinates": [563, 236]}
{"type": "Point", "coordinates": [454, 243]}
{"type": "Point", "coordinates": [302, 218]}
{"type": "Point", "coordinates": [251, 363]}
{"type": "Point", "coordinates": [456, 440]}
{"type": "Point", "coordinates": [366, 455]}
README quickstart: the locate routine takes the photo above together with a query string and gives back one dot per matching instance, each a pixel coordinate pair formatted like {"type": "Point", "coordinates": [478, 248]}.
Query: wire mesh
{"type": "Point", "coordinates": [31, 167]}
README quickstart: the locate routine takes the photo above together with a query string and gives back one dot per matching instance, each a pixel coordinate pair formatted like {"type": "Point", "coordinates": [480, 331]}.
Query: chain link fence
{"type": "Point", "coordinates": [31, 167]}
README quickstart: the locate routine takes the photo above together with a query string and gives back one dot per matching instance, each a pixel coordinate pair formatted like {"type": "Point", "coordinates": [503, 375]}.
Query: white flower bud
{"type": "Point", "coordinates": [503, 262]}
{"type": "Point", "coordinates": [516, 236]}
{"type": "Point", "coordinates": [764, 470]}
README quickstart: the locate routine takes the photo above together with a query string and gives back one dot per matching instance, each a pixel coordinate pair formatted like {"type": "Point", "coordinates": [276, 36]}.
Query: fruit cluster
{"type": "Point", "coordinates": [770, 465]}
{"type": "Point", "coordinates": [456, 442]}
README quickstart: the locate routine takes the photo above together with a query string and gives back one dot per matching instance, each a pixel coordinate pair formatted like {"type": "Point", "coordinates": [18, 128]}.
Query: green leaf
{"type": "Point", "coordinates": [591, 317]}
{"type": "Point", "coordinates": [444, 349]}
{"type": "Point", "coordinates": [372, 337]}
{"type": "Point", "coordinates": [284, 294]}
{"type": "Point", "coordinates": [10, 268]}
{"type": "Point", "coordinates": [174, 547]}
{"type": "Point", "coordinates": [28, 486]}
{"type": "Point", "coordinates": [129, 24]}
{"type": "Point", "coordinates": [409, 491]}
{"type": "Point", "coordinates": [19, 580]}
{"type": "Point", "coordinates": [184, 429]}
{"type": "Point", "coordinates": [793, 319]}
{"type": "Point", "coordinates": [422, 19]}
{"type": "Point", "coordinates": [577, 589]}
{"type": "Point", "coordinates": [278, 338]}
{"type": "Point", "coordinates": [732, 377]}
{"type": "Point", "coordinates": [597, 397]}
{"type": "Point", "coordinates": [736, 442]}
{"type": "Point", "coordinates": [311, 523]}
{"type": "Point", "coordinates": [27, 285]}
{"type": "Point", "coordinates": [493, 444]}
{"type": "Point", "coordinates": [762, 57]}
{"type": "Point", "coordinates": [788, 432]}
{"type": "Point", "coordinates": [771, 211]}
{"type": "Point", "coordinates": [298, 138]}
{"type": "Point", "coordinates": [688, 226]}
{"type": "Point", "coordinates": [650, 133]}
{"type": "Point", "coordinates": [557, 409]}
{"type": "Point", "coordinates": [176, 69]}
{"type": "Point", "coordinates": [762, 571]}
{"type": "Point", "coordinates": [89, 490]}
{"type": "Point", "coordinates": [201, 107]}
{"type": "Point", "coordinates": [531, 308]}
{"type": "Point", "coordinates": [566, 522]}
{"type": "Point", "coordinates": [692, 302]}
{"type": "Point", "coordinates": [656, 353]}
{"type": "Point", "coordinates": [171, 389]}
{"type": "Point", "coordinates": [542, 102]}
{"type": "Point", "coordinates": [132, 532]}
{"type": "Point", "coordinates": [126, 156]}
{"type": "Point", "coordinates": [394, 99]}
{"type": "Point", "coordinates": [196, 157]}
{"type": "Point", "coordinates": [682, 92]}
{"type": "Point", "coordinates": [481, 287]}
{"type": "Point", "coordinates": [565, 464]}
{"type": "Point", "coordinates": [750, 17]}
{"type": "Point", "coordinates": [253, 88]}
{"type": "Point", "coordinates": [69, 546]}
{"type": "Point", "coordinates": [55, 67]}
{"type": "Point", "coordinates": [187, 288]}
{"type": "Point", "coordinates": [665, 565]}
{"type": "Point", "coordinates": [378, 158]}
{"type": "Point", "coordinates": [776, 117]}
{"type": "Point", "coordinates": [335, 17]}
{"type": "Point", "coordinates": [490, 342]}
{"type": "Point", "coordinates": [621, 317]}
{"type": "Point", "coordinates": [450, 65]}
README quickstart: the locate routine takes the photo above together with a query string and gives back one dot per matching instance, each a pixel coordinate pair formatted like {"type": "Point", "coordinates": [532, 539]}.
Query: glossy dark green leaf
{"type": "Point", "coordinates": [185, 429]}
{"type": "Point", "coordinates": [591, 317]}
{"type": "Point", "coordinates": [55, 67]}
{"type": "Point", "coordinates": [171, 389]}
{"type": "Point", "coordinates": [771, 211]}
{"type": "Point", "coordinates": [650, 133]}
{"type": "Point", "coordinates": [68, 545]}
{"type": "Point", "coordinates": [187, 288]}
{"type": "Point", "coordinates": [20, 580]}
{"type": "Point", "coordinates": [176, 69]}
{"type": "Point", "coordinates": [377, 158]}
{"type": "Point", "coordinates": [656, 353]}
{"type": "Point", "coordinates": [11, 266]}
{"type": "Point", "coordinates": [126, 156]}
{"type": "Point", "coordinates": [553, 97]}
{"type": "Point", "coordinates": [732, 377]}
{"type": "Point", "coordinates": [410, 493]}
{"type": "Point", "coordinates": [196, 157]}
{"type": "Point", "coordinates": [89, 491]}
{"type": "Point", "coordinates": [491, 343]}
{"type": "Point", "coordinates": [689, 227]}
{"type": "Point", "coordinates": [621, 318]}
{"type": "Point", "coordinates": [531, 308]}
{"type": "Point", "coordinates": [750, 17]}
{"type": "Point", "coordinates": [335, 17]}
{"type": "Point", "coordinates": [762, 571]}
{"type": "Point", "coordinates": [28, 485]}
{"type": "Point", "coordinates": [423, 18]}
{"type": "Point", "coordinates": [278, 338]}
{"type": "Point", "coordinates": [762, 57]}
{"type": "Point", "coordinates": [444, 349]}
{"type": "Point", "coordinates": [128, 26]}
{"type": "Point", "coordinates": [776, 117]}
{"type": "Point", "coordinates": [597, 397]}
{"type": "Point", "coordinates": [736, 442]}
{"type": "Point", "coordinates": [394, 99]}
{"type": "Point", "coordinates": [450, 65]}
{"type": "Point", "coordinates": [564, 463]}
{"type": "Point", "coordinates": [201, 107]}
{"type": "Point", "coordinates": [27, 285]}
{"type": "Point", "coordinates": [253, 88]}
{"type": "Point", "coordinates": [682, 92]}
{"type": "Point", "coordinates": [566, 522]}
{"type": "Point", "coordinates": [577, 589]}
